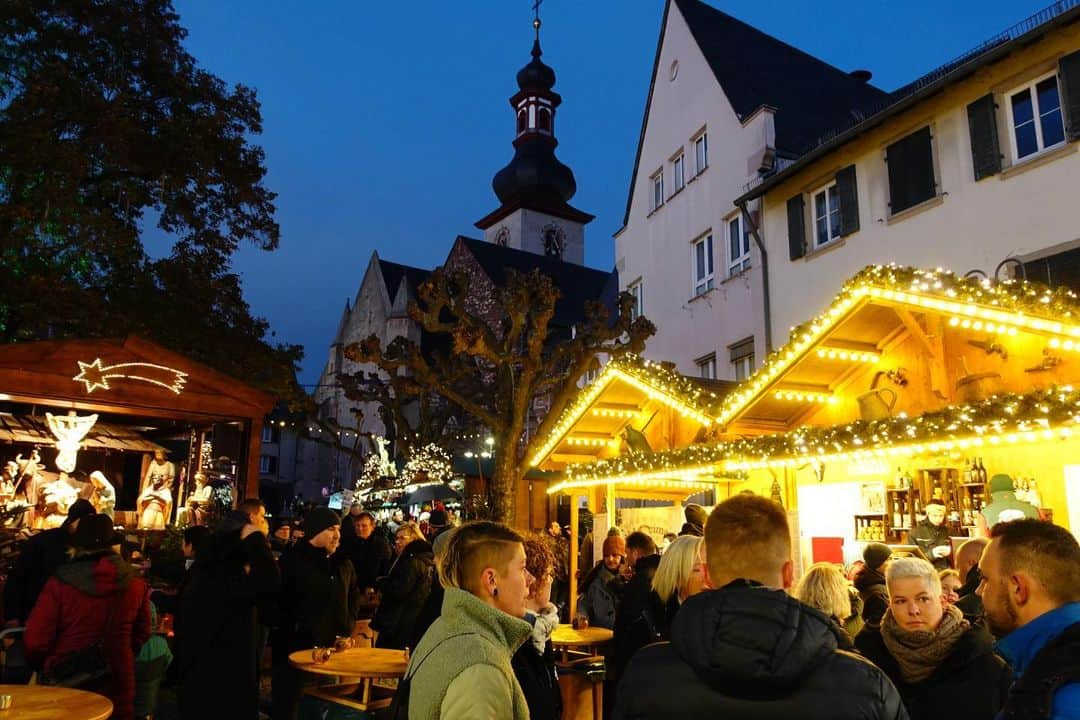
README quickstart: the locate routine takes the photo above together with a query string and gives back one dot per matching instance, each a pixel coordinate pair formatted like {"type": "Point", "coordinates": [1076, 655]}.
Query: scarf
{"type": "Point", "coordinates": [544, 622]}
{"type": "Point", "coordinates": [920, 652]}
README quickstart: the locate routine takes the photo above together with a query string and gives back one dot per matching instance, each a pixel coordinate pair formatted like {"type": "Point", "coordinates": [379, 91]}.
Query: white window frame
{"type": "Point", "coordinates": [656, 187]}
{"type": "Point", "coordinates": [742, 262]}
{"type": "Point", "coordinates": [678, 172]}
{"type": "Point", "coordinates": [706, 366]}
{"type": "Point", "coordinates": [637, 289]}
{"type": "Point", "coordinates": [742, 367]}
{"type": "Point", "coordinates": [828, 189]}
{"type": "Point", "coordinates": [704, 277]}
{"type": "Point", "coordinates": [1029, 88]}
{"type": "Point", "coordinates": [701, 152]}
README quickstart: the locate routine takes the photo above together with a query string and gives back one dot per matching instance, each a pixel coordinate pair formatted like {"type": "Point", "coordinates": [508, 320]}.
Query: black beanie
{"type": "Point", "coordinates": [875, 555]}
{"type": "Point", "coordinates": [318, 519]}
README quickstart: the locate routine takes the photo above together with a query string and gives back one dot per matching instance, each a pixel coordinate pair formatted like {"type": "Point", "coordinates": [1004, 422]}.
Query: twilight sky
{"type": "Point", "coordinates": [384, 122]}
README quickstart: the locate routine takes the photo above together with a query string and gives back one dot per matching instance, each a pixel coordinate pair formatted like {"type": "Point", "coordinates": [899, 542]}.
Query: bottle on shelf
{"type": "Point", "coordinates": [971, 475]}
{"type": "Point", "coordinates": [1033, 496]}
{"type": "Point", "coordinates": [982, 472]}
{"type": "Point", "coordinates": [966, 517]}
{"type": "Point", "coordinates": [899, 478]}
{"type": "Point", "coordinates": [1020, 489]}
{"type": "Point", "coordinates": [898, 513]}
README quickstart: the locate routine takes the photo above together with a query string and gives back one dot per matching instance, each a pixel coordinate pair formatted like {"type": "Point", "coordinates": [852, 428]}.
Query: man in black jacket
{"type": "Point", "coordinates": [748, 649]}
{"type": "Point", "coordinates": [967, 564]}
{"type": "Point", "coordinates": [637, 597]}
{"type": "Point", "coordinates": [368, 550]}
{"type": "Point", "coordinates": [318, 602]}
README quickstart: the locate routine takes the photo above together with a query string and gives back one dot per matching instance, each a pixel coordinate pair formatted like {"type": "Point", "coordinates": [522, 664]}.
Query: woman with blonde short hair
{"type": "Point", "coordinates": [943, 666]}
{"type": "Point", "coordinates": [462, 666]}
{"type": "Point", "coordinates": [825, 588]}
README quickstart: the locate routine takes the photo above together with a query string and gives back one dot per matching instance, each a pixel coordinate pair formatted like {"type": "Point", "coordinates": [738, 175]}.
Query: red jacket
{"type": "Point", "coordinates": [71, 613]}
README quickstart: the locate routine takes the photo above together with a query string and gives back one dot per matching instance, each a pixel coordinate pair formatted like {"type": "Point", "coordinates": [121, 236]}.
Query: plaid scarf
{"type": "Point", "coordinates": [920, 652]}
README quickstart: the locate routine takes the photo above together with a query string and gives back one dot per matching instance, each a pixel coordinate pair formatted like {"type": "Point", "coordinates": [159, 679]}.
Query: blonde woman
{"type": "Point", "coordinates": [825, 588]}
{"type": "Point", "coordinates": [681, 574]}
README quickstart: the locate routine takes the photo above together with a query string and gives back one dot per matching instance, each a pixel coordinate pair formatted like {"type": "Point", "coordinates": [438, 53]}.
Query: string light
{"type": "Point", "coordinates": [843, 355]}
{"type": "Point", "coordinates": [1003, 307]}
{"type": "Point", "coordinates": [657, 382]}
{"type": "Point", "coordinates": [95, 375]}
{"type": "Point", "coordinates": [1040, 416]}
{"type": "Point", "coordinates": [614, 412]}
{"type": "Point", "coordinates": [806, 396]}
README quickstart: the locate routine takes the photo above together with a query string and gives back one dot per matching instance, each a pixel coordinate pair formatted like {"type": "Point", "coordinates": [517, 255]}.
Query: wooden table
{"type": "Point", "coordinates": [566, 637]}
{"type": "Point", "coordinates": [358, 668]}
{"type": "Point", "coordinates": [41, 702]}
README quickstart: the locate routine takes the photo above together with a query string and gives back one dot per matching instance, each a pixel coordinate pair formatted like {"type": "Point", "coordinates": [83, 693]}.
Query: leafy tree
{"type": "Point", "coordinates": [107, 126]}
{"type": "Point", "coordinates": [503, 361]}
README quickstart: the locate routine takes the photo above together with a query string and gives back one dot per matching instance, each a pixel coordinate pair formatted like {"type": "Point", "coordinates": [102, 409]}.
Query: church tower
{"type": "Point", "coordinates": [535, 187]}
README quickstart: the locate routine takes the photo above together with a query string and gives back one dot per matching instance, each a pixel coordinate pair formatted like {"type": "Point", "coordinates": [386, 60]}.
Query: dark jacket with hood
{"type": "Point", "coordinates": [638, 615]}
{"type": "Point", "coordinates": [229, 587]}
{"type": "Point", "coordinates": [37, 561]}
{"type": "Point", "coordinates": [404, 594]}
{"type": "Point", "coordinates": [370, 558]}
{"type": "Point", "coordinates": [91, 591]}
{"type": "Point", "coordinates": [875, 596]}
{"type": "Point", "coordinates": [970, 684]}
{"type": "Point", "coordinates": [970, 603]}
{"type": "Point", "coordinates": [746, 651]}
{"type": "Point", "coordinates": [318, 601]}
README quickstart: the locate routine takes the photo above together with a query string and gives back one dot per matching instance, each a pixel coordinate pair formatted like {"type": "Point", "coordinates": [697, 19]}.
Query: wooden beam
{"type": "Point", "coordinates": [913, 327]}
{"type": "Point", "coordinates": [575, 547]}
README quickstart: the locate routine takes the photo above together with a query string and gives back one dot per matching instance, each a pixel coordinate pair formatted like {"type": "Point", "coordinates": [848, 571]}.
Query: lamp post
{"type": "Point", "coordinates": [484, 453]}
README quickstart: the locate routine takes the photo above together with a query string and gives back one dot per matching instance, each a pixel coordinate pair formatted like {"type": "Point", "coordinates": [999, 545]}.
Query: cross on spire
{"type": "Point", "coordinates": [536, 17]}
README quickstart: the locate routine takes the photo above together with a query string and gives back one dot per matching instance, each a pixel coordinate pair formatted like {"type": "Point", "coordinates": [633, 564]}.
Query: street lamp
{"type": "Point", "coordinates": [489, 442]}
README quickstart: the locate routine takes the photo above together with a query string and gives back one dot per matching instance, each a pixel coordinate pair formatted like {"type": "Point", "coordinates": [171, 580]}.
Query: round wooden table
{"type": "Point", "coordinates": [566, 637]}
{"type": "Point", "coordinates": [358, 667]}
{"type": "Point", "coordinates": [42, 702]}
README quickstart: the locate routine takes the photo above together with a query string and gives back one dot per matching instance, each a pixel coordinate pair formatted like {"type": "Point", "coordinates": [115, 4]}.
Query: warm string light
{"type": "Point", "coordinates": [1003, 307]}
{"type": "Point", "coordinates": [828, 353]}
{"type": "Point", "coordinates": [806, 396]}
{"type": "Point", "coordinates": [590, 441]}
{"type": "Point", "coordinates": [1007, 419]}
{"type": "Point", "coordinates": [656, 381]}
{"type": "Point", "coordinates": [614, 413]}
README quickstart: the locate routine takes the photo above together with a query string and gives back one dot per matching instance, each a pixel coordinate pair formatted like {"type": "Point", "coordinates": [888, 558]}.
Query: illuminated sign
{"type": "Point", "coordinates": [95, 375]}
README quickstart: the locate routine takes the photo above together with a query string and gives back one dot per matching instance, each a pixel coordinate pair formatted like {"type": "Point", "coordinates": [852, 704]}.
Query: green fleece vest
{"type": "Point", "coordinates": [468, 633]}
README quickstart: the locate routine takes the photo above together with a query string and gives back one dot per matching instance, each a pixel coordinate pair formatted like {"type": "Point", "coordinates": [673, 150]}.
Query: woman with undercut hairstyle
{"type": "Point", "coordinates": [462, 666]}
{"type": "Point", "coordinates": [942, 665]}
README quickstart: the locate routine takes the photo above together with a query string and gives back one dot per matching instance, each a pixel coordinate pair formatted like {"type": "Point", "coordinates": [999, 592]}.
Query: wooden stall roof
{"type": "Point", "coordinates": [903, 362]}
{"type": "Point", "coordinates": [130, 376]}
{"type": "Point", "coordinates": [915, 340]}
{"type": "Point", "coordinates": [35, 430]}
{"type": "Point", "coordinates": [630, 392]}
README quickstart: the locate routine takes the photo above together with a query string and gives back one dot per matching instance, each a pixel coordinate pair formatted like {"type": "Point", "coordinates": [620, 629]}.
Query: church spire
{"type": "Point", "coordinates": [534, 180]}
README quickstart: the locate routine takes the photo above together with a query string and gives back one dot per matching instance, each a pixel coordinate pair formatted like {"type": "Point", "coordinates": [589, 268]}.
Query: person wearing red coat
{"type": "Point", "coordinates": [94, 589]}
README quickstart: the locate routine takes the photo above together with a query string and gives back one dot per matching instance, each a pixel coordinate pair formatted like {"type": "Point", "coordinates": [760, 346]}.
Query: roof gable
{"type": "Point", "coordinates": [576, 283]}
{"type": "Point", "coordinates": [754, 69]}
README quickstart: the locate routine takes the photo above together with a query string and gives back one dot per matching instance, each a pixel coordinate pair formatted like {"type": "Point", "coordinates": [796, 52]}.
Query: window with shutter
{"type": "Point", "coordinates": [1035, 119]}
{"type": "Point", "coordinates": [1069, 70]}
{"type": "Point", "coordinates": [847, 189]}
{"type": "Point", "coordinates": [982, 124]}
{"type": "Point", "coordinates": [742, 359]}
{"type": "Point", "coordinates": [796, 227]}
{"type": "Point", "coordinates": [911, 171]}
{"type": "Point", "coordinates": [825, 205]}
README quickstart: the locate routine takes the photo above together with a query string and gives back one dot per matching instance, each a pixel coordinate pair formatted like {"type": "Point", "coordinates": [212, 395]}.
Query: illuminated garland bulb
{"type": "Point", "coordinates": [805, 396]}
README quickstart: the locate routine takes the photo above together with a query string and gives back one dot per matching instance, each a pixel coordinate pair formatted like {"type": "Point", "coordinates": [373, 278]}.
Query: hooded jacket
{"type": "Point", "coordinates": [970, 684]}
{"type": "Point", "coordinates": [318, 600]}
{"type": "Point", "coordinates": [875, 595]}
{"type": "Point", "coordinates": [86, 594]}
{"type": "Point", "coordinates": [747, 651]}
{"type": "Point", "coordinates": [601, 593]}
{"type": "Point", "coordinates": [404, 593]}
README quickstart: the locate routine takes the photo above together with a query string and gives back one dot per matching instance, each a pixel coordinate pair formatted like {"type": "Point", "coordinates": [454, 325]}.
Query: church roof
{"type": "Point", "coordinates": [577, 283]}
{"type": "Point", "coordinates": [754, 69]}
{"type": "Point", "coordinates": [393, 273]}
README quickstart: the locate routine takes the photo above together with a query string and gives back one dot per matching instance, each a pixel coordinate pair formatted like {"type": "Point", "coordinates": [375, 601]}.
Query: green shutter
{"type": "Point", "coordinates": [911, 171]}
{"type": "Point", "coordinates": [847, 189]}
{"type": "Point", "coordinates": [1069, 68]}
{"type": "Point", "coordinates": [982, 123]}
{"type": "Point", "coordinates": [796, 228]}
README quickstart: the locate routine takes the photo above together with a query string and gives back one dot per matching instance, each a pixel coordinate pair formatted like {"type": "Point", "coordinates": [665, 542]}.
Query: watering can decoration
{"type": "Point", "coordinates": [873, 404]}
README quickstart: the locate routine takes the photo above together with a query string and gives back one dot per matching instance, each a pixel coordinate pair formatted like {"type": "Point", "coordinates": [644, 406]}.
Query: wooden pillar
{"type": "Point", "coordinates": [251, 466]}
{"type": "Point", "coordinates": [575, 547]}
{"type": "Point", "coordinates": [609, 504]}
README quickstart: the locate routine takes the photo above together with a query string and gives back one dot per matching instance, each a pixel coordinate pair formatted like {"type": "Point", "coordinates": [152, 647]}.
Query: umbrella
{"type": "Point", "coordinates": [431, 493]}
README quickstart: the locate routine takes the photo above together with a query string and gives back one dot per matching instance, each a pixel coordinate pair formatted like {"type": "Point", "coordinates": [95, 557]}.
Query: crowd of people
{"type": "Point", "coordinates": [709, 623]}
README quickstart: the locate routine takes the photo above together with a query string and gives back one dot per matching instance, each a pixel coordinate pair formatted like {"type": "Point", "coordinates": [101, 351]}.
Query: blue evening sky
{"type": "Point", "coordinates": [385, 121]}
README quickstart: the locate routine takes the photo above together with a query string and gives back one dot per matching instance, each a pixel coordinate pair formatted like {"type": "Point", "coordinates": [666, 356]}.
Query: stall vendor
{"type": "Point", "coordinates": [932, 536]}
{"type": "Point", "coordinates": [1004, 506]}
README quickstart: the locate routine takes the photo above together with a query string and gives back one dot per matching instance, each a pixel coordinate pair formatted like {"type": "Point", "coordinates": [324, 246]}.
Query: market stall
{"type": "Point", "coordinates": [94, 417]}
{"type": "Point", "coordinates": [912, 386]}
